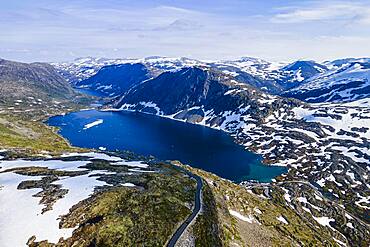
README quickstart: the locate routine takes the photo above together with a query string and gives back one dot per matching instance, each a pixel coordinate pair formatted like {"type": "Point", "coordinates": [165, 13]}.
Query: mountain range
{"type": "Point", "coordinates": [331, 81]}
{"type": "Point", "coordinates": [267, 108]}
{"type": "Point", "coordinates": [310, 117]}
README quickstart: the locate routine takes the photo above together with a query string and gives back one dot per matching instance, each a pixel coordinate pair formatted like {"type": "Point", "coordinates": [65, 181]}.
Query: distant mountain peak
{"type": "Point", "coordinates": [272, 77]}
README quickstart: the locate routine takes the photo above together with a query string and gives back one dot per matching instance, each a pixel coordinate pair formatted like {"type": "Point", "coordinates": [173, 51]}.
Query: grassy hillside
{"type": "Point", "coordinates": [31, 137]}
{"type": "Point", "coordinates": [29, 94]}
{"type": "Point", "coordinates": [260, 226]}
{"type": "Point", "coordinates": [35, 80]}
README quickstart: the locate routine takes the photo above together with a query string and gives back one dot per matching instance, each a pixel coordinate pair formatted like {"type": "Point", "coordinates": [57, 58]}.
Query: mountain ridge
{"type": "Point", "coordinates": [286, 79]}
{"type": "Point", "coordinates": [21, 80]}
{"type": "Point", "coordinates": [310, 140]}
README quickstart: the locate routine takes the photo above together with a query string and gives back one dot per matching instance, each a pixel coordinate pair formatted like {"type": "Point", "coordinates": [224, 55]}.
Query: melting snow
{"type": "Point", "coordinates": [282, 219]}
{"type": "Point", "coordinates": [248, 218]}
{"type": "Point", "coordinates": [324, 221]}
{"type": "Point", "coordinates": [302, 199]}
{"type": "Point", "coordinates": [128, 184]}
{"type": "Point", "coordinates": [349, 224]}
{"type": "Point", "coordinates": [20, 212]}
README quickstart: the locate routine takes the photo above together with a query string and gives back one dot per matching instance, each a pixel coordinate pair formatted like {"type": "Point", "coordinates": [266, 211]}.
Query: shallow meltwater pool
{"type": "Point", "coordinates": [202, 147]}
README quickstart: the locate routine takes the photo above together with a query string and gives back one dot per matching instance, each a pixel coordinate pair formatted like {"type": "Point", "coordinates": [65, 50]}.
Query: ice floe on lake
{"type": "Point", "coordinates": [95, 123]}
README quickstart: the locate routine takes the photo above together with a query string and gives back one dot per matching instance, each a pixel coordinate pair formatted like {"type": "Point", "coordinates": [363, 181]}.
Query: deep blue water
{"type": "Point", "coordinates": [166, 139]}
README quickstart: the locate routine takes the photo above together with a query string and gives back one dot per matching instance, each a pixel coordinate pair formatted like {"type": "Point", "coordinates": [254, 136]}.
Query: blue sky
{"type": "Point", "coordinates": [55, 30]}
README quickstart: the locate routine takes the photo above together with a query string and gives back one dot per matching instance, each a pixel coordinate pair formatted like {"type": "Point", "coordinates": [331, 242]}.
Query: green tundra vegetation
{"type": "Point", "coordinates": [23, 128]}
{"type": "Point", "coordinates": [31, 137]}
{"type": "Point", "coordinates": [149, 213]}
{"type": "Point", "coordinates": [145, 215]}
{"type": "Point", "coordinates": [265, 229]}
{"type": "Point", "coordinates": [206, 228]}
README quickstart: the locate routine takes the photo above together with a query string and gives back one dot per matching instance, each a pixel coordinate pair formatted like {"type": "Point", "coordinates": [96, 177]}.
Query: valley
{"type": "Point", "coordinates": [319, 194]}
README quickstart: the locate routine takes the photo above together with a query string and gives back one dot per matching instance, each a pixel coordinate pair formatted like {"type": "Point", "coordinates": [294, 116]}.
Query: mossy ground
{"type": "Point", "coordinates": [146, 215]}
{"type": "Point", "coordinates": [22, 127]}
{"type": "Point", "coordinates": [31, 137]}
{"type": "Point", "coordinates": [268, 231]}
{"type": "Point", "coordinates": [206, 229]}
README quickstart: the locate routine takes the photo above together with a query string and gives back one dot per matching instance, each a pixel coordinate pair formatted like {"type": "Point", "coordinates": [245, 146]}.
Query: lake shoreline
{"type": "Point", "coordinates": [255, 166]}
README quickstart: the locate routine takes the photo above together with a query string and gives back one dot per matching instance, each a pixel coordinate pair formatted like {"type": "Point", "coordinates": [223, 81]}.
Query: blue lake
{"type": "Point", "coordinates": [166, 139]}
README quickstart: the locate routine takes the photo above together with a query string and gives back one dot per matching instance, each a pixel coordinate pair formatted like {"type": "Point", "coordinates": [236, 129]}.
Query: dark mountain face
{"type": "Point", "coordinates": [196, 91]}
{"type": "Point", "coordinates": [173, 91]}
{"type": "Point", "coordinates": [20, 80]}
{"type": "Point", "coordinates": [115, 80]}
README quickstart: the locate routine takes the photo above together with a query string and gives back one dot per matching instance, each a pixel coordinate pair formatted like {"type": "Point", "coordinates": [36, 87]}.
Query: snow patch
{"type": "Point", "coordinates": [282, 219]}
{"type": "Point", "coordinates": [248, 218]}
{"type": "Point", "coordinates": [324, 221]}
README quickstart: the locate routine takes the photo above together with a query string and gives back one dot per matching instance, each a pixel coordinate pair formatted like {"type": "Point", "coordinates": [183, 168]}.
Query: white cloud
{"type": "Point", "coordinates": [351, 12]}
{"type": "Point", "coordinates": [68, 31]}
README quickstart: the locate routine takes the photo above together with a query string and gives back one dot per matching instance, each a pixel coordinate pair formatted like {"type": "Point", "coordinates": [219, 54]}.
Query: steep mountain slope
{"type": "Point", "coordinates": [328, 161]}
{"type": "Point", "coordinates": [174, 91]}
{"type": "Point", "coordinates": [347, 80]}
{"type": "Point", "coordinates": [194, 87]}
{"type": "Point", "coordinates": [114, 80]}
{"type": "Point", "coordinates": [37, 80]}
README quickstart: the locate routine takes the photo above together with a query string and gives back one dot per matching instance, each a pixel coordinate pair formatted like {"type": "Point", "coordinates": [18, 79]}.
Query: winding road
{"type": "Point", "coordinates": [197, 207]}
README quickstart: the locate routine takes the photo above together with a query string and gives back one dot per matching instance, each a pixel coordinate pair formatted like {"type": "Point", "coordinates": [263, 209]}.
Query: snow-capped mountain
{"type": "Point", "coordinates": [346, 80]}
{"type": "Point", "coordinates": [300, 71]}
{"type": "Point", "coordinates": [338, 80]}
{"type": "Point", "coordinates": [323, 144]}
{"type": "Point", "coordinates": [83, 72]}
{"type": "Point", "coordinates": [257, 67]}
{"type": "Point", "coordinates": [116, 79]}
{"type": "Point", "coordinates": [83, 68]}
